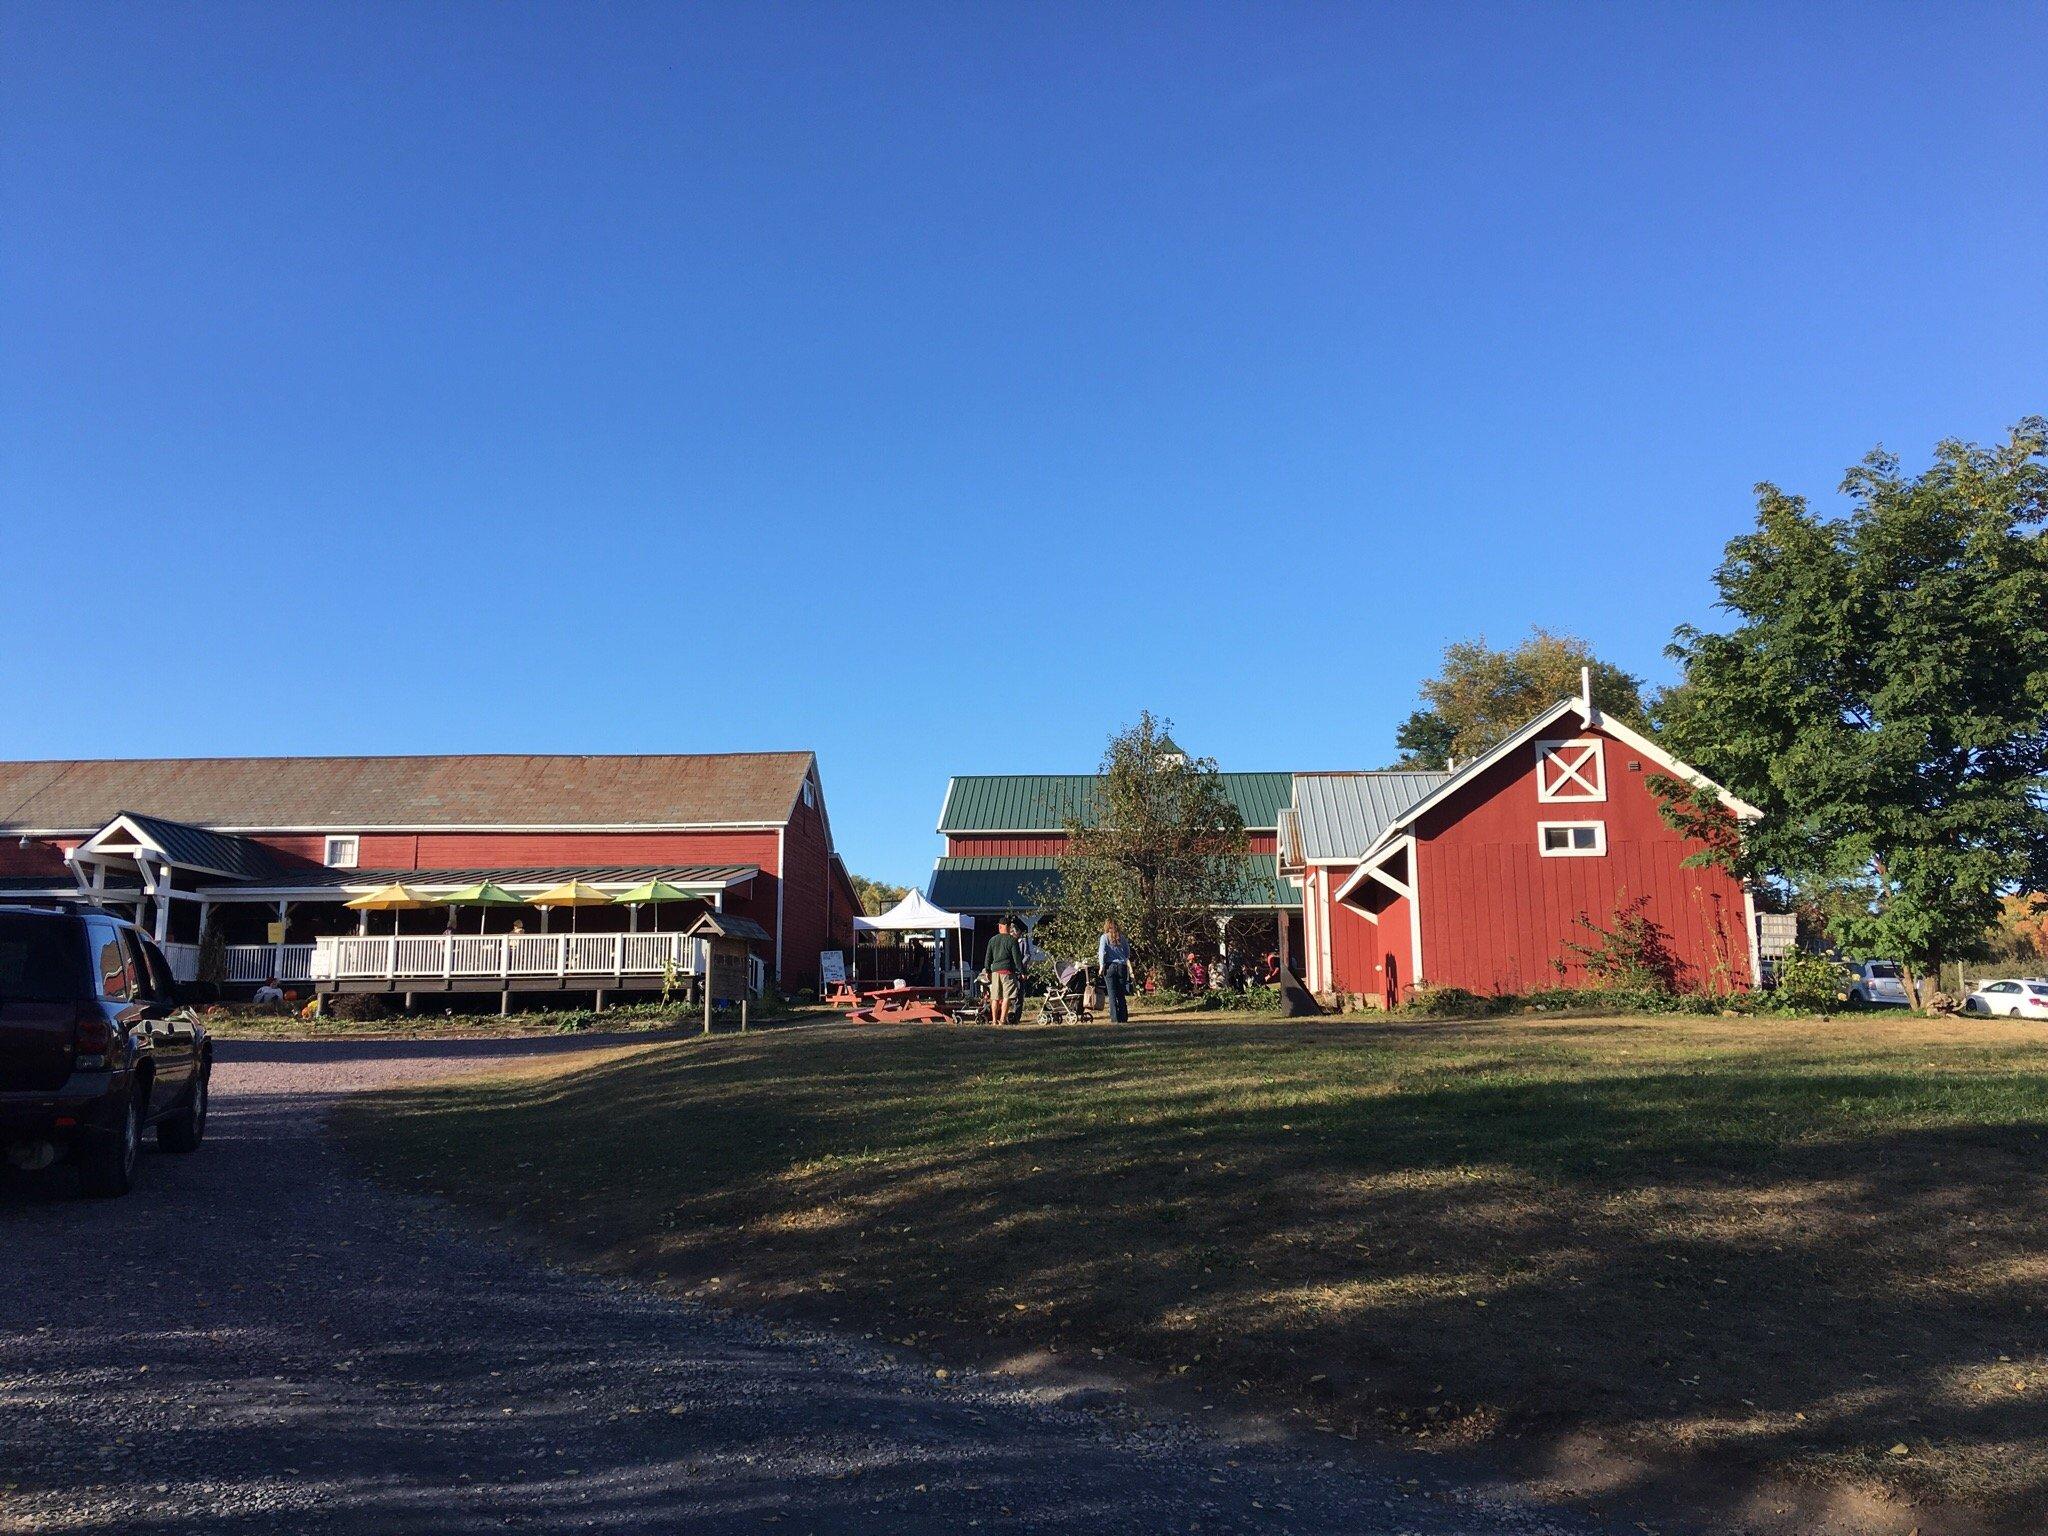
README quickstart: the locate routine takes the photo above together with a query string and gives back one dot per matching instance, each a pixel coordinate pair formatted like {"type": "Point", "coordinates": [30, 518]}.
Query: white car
{"type": "Point", "coordinates": [1878, 982]}
{"type": "Point", "coordinates": [2024, 997]}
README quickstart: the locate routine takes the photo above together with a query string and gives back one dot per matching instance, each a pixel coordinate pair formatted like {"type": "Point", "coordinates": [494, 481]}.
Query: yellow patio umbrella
{"type": "Point", "coordinates": [571, 894]}
{"type": "Point", "coordinates": [649, 892]}
{"type": "Point", "coordinates": [484, 893]}
{"type": "Point", "coordinates": [393, 898]}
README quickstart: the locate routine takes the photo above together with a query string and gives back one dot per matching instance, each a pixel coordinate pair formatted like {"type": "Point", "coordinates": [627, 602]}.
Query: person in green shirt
{"type": "Point", "coordinates": [1004, 966]}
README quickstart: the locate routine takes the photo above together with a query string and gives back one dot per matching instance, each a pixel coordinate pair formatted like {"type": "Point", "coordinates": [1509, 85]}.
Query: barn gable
{"type": "Point", "coordinates": [1480, 880]}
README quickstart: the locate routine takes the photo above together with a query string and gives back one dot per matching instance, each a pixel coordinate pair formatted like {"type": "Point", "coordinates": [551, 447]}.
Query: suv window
{"type": "Point", "coordinates": [111, 962]}
{"type": "Point", "coordinates": [148, 984]}
{"type": "Point", "coordinates": [39, 958]}
{"type": "Point", "coordinates": [161, 976]}
{"type": "Point", "coordinates": [1883, 970]}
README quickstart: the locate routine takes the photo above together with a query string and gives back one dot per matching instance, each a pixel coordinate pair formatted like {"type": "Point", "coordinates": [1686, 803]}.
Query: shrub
{"type": "Point", "coordinates": [1807, 981]}
{"type": "Point", "coordinates": [1453, 1003]}
{"type": "Point", "coordinates": [356, 1007]}
{"type": "Point", "coordinates": [1631, 954]}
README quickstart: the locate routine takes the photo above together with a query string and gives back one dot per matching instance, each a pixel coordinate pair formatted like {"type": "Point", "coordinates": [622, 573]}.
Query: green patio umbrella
{"type": "Point", "coordinates": [482, 894]}
{"type": "Point", "coordinates": [650, 891]}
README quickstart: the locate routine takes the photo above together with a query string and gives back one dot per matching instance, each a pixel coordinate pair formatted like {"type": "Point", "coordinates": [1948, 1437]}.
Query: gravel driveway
{"type": "Point", "coordinates": [261, 1340]}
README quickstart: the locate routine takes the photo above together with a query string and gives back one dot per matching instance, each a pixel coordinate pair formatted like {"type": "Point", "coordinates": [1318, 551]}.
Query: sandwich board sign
{"type": "Point", "coordinates": [831, 966]}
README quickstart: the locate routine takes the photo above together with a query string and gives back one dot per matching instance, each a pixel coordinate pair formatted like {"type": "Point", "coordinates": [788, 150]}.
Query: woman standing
{"type": "Point", "coordinates": [1113, 958]}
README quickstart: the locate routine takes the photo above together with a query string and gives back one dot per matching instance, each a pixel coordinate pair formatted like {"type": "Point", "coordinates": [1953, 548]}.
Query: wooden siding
{"type": "Point", "coordinates": [982, 845]}
{"type": "Point", "coordinates": [1496, 913]}
{"type": "Point", "coordinates": [806, 897]}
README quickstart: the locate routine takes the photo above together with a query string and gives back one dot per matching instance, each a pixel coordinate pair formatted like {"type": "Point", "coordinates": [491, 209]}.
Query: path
{"type": "Point", "coordinates": [261, 1340]}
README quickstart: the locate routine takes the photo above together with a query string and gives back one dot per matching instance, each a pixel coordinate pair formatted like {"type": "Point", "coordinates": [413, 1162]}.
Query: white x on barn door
{"type": "Point", "coordinates": [1570, 771]}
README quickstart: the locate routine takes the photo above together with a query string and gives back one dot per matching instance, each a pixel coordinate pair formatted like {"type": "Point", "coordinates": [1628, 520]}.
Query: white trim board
{"type": "Point", "coordinates": [1634, 740]}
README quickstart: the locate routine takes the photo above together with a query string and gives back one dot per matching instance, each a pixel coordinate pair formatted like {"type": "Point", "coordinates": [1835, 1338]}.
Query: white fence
{"type": "Point", "coordinates": [591, 957]}
{"type": "Point", "coordinates": [247, 963]}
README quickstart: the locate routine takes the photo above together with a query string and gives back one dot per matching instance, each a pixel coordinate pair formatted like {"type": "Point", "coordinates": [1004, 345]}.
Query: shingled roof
{"type": "Point", "coordinates": [351, 793]}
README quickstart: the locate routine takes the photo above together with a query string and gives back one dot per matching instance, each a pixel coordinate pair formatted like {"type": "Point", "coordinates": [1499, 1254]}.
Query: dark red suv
{"type": "Point", "coordinates": [94, 1046]}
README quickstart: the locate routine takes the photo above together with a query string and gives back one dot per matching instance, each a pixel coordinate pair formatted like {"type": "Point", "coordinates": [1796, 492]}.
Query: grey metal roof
{"type": "Point", "coordinates": [1342, 813]}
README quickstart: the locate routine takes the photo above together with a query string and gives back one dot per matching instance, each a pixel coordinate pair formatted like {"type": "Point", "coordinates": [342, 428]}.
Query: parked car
{"type": "Point", "coordinates": [94, 1047]}
{"type": "Point", "coordinates": [2021, 997]}
{"type": "Point", "coordinates": [1879, 982]}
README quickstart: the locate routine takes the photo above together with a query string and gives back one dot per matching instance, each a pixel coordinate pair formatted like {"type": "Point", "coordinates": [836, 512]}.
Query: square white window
{"type": "Point", "coordinates": [342, 852]}
{"type": "Point", "coordinates": [1568, 771]}
{"type": "Point", "coordinates": [1572, 839]}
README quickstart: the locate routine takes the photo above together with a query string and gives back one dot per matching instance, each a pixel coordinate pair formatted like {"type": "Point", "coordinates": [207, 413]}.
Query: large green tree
{"type": "Point", "coordinates": [1883, 696]}
{"type": "Point", "coordinates": [876, 896]}
{"type": "Point", "coordinates": [1483, 695]}
{"type": "Point", "coordinates": [1159, 849]}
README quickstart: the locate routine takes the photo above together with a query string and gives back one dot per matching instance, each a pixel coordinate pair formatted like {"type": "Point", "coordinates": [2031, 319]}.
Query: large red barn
{"type": "Point", "coordinates": [275, 848]}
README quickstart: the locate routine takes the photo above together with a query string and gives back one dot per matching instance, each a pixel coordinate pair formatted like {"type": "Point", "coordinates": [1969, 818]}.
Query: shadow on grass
{"type": "Point", "coordinates": [1794, 1256]}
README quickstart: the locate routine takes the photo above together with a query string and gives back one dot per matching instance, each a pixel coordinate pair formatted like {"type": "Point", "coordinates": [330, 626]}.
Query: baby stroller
{"type": "Point", "coordinates": [1066, 1001]}
{"type": "Point", "coordinates": [973, 1007]}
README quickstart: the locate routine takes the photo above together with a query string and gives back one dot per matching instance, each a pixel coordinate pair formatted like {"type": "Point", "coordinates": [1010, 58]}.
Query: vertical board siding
{"type": "Point", "coordinates": [1497, 913]}
{"type": "Point", "coordinates": [983, 845]}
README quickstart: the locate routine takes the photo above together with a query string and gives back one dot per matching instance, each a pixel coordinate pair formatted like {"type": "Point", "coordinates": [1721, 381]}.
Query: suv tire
{"type": "Point", "coordinates": [108, 1164]}
{"type": "Point", "coordinates": [183, 1129]}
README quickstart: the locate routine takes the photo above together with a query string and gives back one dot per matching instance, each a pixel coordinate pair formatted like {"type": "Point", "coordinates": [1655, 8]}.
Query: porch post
{"type": "Point", "coordinates": [163, 903]}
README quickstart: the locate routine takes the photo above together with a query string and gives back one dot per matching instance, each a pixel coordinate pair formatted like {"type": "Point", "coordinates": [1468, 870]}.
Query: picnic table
{"type": "Point", "coordinates": [902, 1005]}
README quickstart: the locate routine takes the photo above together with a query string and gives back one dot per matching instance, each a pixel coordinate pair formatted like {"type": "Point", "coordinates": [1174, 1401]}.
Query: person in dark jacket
{"type": "Point", "coordinates": [1004, 964]}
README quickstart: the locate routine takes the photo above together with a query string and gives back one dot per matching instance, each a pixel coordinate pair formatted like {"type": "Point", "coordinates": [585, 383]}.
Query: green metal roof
{"type": "Point", "coordinates": [1018, 884]}
{"type": "Point", "coordinates": [1042, 802]}
{"type": "Point", "coordinates": [191, 847]}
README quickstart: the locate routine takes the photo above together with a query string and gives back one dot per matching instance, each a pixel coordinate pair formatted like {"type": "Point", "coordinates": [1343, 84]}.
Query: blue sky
{"type": "Point", "coordinates": [936, 387]}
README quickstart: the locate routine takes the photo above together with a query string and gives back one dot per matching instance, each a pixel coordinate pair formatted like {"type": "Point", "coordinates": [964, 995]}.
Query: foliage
{"type": "Point", "coordinates": [1631, 954]}
{"type": "Point", "coordinates": [1454, 1003]}
{"type": "Point", "coordinates": [2020, 931]}
{"type": "Point", "coordinates": [213, 953]}
{"type": "Point", "coordinates": [356, 1007]}
{"type": "Point", "coordinates": [1883, 696]}
{"type": "Point", "coordinates": [1808, 981]}
{"type": "Point", "coordinates": [875, 896]}
{"type": "Point", "coordinates": [1161, 851]}
{"type": "Point", "coordinates": [1483, 695]}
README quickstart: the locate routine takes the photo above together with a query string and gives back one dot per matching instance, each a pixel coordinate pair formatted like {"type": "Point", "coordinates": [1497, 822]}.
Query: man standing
{"type": "Point", "coordinates": [1005, 966]}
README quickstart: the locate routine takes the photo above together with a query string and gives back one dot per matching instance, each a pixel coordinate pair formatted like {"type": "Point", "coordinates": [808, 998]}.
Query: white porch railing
{"type": "Point", "coordinates": [247, 963]}
{"type": "Point", "coordinates": [588, 957]}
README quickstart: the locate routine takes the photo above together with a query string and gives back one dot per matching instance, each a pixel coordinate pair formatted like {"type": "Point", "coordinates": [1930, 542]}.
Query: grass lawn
{"type": "Point", "coordinates": [1810, 1247]}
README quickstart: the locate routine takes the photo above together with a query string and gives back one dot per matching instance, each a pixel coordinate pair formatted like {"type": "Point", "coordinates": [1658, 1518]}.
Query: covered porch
{"type": "Point", "coordinates": [470, 929]}
{"type": "Point", "coordinates": [1265, 920]}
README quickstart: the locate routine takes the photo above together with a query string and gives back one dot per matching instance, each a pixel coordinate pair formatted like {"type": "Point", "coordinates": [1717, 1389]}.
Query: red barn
{"type": "Point", "coordinates": [1478, 878]}
{"type": "Point", "coordinates": [275, 848]}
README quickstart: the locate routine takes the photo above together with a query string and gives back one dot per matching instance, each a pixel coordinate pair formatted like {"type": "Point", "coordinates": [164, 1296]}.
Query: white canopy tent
{"type": "Point", "coordinates": [914, 914]}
